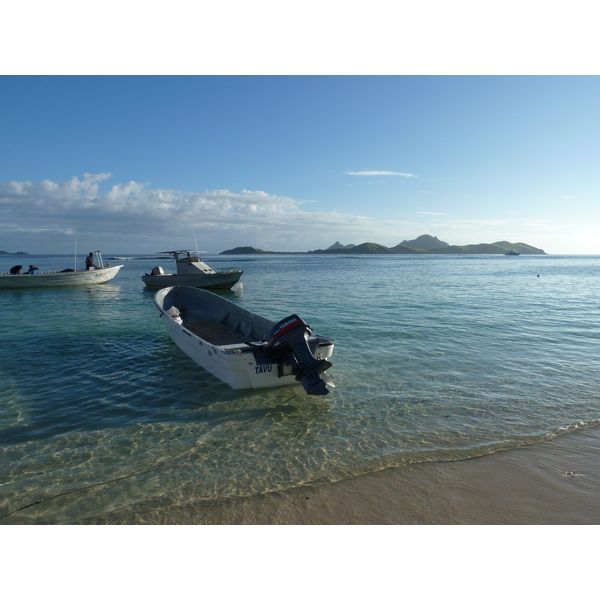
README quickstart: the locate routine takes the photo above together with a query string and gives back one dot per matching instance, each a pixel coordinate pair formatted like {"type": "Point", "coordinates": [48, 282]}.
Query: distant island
{"type": "Point", "coordinates": [14, 253]}
{"type": "Point", "coordinates": [424, 244]}
{"type": "Point", "coordinates": [251, 250]}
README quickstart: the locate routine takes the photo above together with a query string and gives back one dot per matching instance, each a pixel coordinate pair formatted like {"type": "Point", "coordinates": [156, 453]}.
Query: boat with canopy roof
{"type": "Point", "coordinates": [192, 272]}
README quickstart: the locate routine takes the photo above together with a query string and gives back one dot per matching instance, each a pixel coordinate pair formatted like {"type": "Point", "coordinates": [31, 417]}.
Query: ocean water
{"type": "Point", "coordinates": [436, 358]}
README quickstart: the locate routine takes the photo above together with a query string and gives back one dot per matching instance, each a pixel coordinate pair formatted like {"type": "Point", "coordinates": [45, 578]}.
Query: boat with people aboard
{"type": "Point", "coordinates": [512, 253]}
{"type": "Point", "coordinates": [34, 278]}
{"type": "Point", "coordinates": [242, 348]}
{"type": "Point", "coordinates": [191, 271]}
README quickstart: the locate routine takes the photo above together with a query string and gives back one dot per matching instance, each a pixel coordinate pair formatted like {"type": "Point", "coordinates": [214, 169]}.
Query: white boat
{"type": "Point", "coordinates": [191, 271]}
{"type": "Point", "coordinates": [242, 348]}
{"type": "Point", "coordinates": [68, 277]}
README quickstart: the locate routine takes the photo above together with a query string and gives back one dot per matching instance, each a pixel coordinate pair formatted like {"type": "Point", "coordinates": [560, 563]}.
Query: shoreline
{"type": "Point", "coordinates": [551, 483]}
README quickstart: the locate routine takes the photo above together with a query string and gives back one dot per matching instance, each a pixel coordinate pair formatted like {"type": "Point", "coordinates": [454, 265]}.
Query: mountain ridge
{"type": "Point", "coordinates": [439, 247]}
{"type": "Point", "coordinates": [425, 242]}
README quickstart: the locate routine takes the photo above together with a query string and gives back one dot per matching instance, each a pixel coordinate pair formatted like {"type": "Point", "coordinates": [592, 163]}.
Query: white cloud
{"type": "Point", "coordinates": [43, 217]}
{"type": "Point", "coordinates": [378, 173]}
{"type": "Point", "coordinates": [48, 217]}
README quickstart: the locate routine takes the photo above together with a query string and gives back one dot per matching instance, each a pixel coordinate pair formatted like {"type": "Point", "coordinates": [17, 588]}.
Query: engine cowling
{"type": "Point", "coordinates": [288, 342]}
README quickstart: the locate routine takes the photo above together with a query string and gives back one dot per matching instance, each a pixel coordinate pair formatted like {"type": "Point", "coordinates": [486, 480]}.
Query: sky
{"type": "Point", "coordinates": [143, 163]}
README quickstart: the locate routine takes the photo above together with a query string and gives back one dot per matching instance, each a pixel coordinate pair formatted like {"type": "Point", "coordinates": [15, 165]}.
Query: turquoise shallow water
{"type": "Point", "coordinates": [436, 358]}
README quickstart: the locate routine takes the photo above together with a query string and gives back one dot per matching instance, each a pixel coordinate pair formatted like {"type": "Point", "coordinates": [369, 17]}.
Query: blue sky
{"type": "Point", "coordinates": [140, 163]}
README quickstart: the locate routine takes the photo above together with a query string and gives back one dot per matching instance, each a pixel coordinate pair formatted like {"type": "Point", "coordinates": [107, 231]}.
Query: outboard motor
{"type": "Point", "coordinates": [288, 341]}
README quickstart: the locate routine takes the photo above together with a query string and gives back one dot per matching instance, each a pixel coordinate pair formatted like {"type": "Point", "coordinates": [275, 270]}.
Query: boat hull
{"type": "Point", "coordinates": [70, 278]}
{"type": "Point", "coordinates": [235, 363]}
{"type": "Point", "coordinates": [201, 280]}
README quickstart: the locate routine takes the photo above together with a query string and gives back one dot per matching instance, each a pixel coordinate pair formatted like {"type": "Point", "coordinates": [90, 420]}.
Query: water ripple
{"type": "Point", "coordinates": [436, 359]}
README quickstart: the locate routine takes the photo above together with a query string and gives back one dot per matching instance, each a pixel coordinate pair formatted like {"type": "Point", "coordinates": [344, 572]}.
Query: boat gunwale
{"type": "Point", "coordinates": [239, 312]}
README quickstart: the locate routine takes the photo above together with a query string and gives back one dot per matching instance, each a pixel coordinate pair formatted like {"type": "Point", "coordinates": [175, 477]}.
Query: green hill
{"type": "Point", "coordinates": [366, 248]}
{"type": "Point", "coordinates": [495, 248]}
{"type": "Point", "coordinates": [424, 242]}
{"type": "Point", "coordinates": [404, 249]}
{"type": "Point", "coordinates": [251, 250]}
{"type": "Point", "coordinates": [244, 250]}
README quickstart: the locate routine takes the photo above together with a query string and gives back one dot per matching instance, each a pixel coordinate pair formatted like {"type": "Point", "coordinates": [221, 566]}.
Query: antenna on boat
{"type": "Point", "coordinates": [197, 251]}
{"type": "Point", "coordinates": [75, 265]}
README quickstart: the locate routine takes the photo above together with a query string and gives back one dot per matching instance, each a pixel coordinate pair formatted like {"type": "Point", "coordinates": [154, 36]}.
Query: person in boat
{"type": "Point", "coordinates": [16, 270]}
{"type": "Point", "coordinates": [89, 262]}
{"type": "Point", "coordinates": [32, 270]}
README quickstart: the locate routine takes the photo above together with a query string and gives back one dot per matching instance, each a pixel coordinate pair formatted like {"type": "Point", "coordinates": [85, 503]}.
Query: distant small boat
{"type": "Point", "coordinates": [242, 348]}
{"type": "Point", "coordinates": [68, 277]}
{"type": "Point", "coordinates": [191, 271]}
{"type": "Point", "coordinates": [512, 253]}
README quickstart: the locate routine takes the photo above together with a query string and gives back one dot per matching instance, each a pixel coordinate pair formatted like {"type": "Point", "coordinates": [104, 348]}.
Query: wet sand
{"type": "Point", "coordinates": [552, 483]}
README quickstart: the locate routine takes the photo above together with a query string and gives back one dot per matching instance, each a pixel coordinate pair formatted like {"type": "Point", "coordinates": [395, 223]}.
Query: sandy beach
{"type": "Point", "coordinates": [551, 483]}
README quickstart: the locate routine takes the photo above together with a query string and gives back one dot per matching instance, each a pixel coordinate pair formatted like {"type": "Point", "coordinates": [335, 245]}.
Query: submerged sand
{"type": "Point", "coordinates": [555, 482]}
